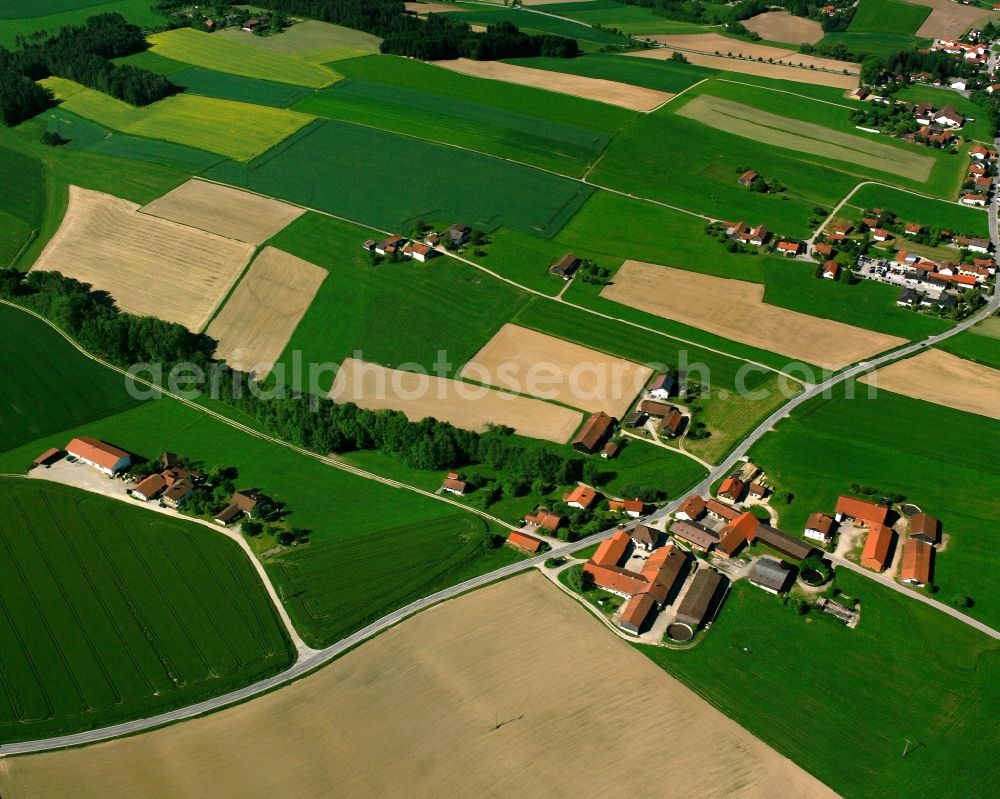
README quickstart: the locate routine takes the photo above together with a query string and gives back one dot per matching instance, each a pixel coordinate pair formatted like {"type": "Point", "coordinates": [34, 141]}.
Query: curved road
{"type": "Point", "coordinates": [324, 656]}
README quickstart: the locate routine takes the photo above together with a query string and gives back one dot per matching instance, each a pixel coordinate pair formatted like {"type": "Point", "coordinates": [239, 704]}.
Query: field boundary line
{"type": "Point", "coordinates": [673, 97]}
{"type": "Point", "coordinates": [785, 91]}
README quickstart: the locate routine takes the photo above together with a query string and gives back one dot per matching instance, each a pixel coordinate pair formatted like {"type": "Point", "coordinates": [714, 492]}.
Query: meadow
{"type": "Point", "coordinates": [110, 612]}
{"type": "Point", "coordinates": [35, 399]}
{"type": "Point", "coordinates": [908, 207]}
{"type": "Point", "coordinates": [236, 130]}
{"type": "Point", "coordinates": [634, 20]}
{"type": "Point", "coordinates": [834, 682]}
{"type": "Point", "coordinates": [312, 41]}
{"type": "Point", "coordinates": [223, 86]}
{"type": "Point", "coordinates": [888, 16]}
{"type": "Point", "coordinates": [881, 43]}
{"type": "Point", "coordinates": [328, 166]}
{"type": "Point", "coordinates": [22, 204]}
{"type": "Point", "coordinates": [589, 38]}
{"type": "Point", "coordinates": [664, 76]}
{"type": "Point", "coordinates": [980, 343]}
{"type": "Point", "coordinates": [979, 128]}
{"type": "Point", "coordinates": [26, 16]}
{"type": "Point", "coordinates": [547, 143]}
{"type": "Point", "coordinates": [829, 444]}
{"type": "Point", "coordinates": [213, 52]}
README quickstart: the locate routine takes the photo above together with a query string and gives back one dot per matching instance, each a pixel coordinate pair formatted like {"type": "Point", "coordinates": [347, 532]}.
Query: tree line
{"type": "Point", "coordinates": [316, 423]}
{"type": "Point", "coordinates": [437, 37]}
{"type": "Point", "coordinates": [80, 53]}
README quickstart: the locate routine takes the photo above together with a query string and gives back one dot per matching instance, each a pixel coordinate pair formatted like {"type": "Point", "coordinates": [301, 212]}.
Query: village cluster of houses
{"type": "Point", "coordinates": [760, 236]}
{"type": "Point", "coordinates": [172, 485]}
{"type": "Point", "coordinates": [455, 236]}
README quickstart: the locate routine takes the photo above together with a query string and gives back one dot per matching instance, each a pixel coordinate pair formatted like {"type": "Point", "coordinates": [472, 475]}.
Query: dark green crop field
{"type": "Point", "coordinates": [647, 72]}
{"type": "Point", "coordinates": [236, 87]}
{"type": "Point", "coordinates": [22, 202]}
{"type": "Point", "coordinates": [109, 612]}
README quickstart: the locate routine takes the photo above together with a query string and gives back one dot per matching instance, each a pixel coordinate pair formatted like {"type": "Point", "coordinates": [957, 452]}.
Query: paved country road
{"type": "Point", "coordinates": [324, 656]}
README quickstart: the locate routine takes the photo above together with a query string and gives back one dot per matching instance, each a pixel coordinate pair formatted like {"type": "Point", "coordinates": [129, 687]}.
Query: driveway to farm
{"type": "Point", "coordinates": [325, 656]}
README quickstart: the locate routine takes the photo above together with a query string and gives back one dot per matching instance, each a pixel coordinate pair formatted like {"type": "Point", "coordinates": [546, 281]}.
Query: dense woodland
{"type": "Point", "coordinates": [316, 423]}
{"type": "Point", "coordinates": [437, 37]}
{"type": "Point", "coordinates": [80, 53]}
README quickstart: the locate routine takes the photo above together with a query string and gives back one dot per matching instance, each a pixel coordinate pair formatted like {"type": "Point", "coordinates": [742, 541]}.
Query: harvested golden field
{"type": "Point", "coordinates": [523, 360]}
{"type": "Point", "coordinates": [807, 137]}
{"type": "Point", "coordinates": [430, 8]}
{"type": "Point", "coordinates": [255, 324]}
{"type": "Point", "coordinates": [223, 210]}
{"type": "Point", "coordinates": [944, 379]}
{"type": "Point", "coordinates": [736, 310]}
{"type": "Point", "coordinates": [712, 43]}
{"type": "Point", "coordinates": [780, 26]}
{"type": "Point", "coordinates": [414, 713]}
{"type": "Point", "coordinates": [465, 405]}
{"type": "Point", "coordinates": [949, 19]}
{"type": "Point", "coordinates": [152, 267]}
{"type": "Point", "coordinates": [612, 92]}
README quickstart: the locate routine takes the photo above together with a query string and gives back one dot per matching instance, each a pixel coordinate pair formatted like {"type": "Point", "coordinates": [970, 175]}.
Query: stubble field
{"type": "Point", "coordinates": [257, 321]}
{"type": "Point", "coordinates": [948, 19]}
{"type": "Point", "coordinates": [565, 372]}
{"type": "Point", "coordinates": [515, 680]}
{"type": "Point", "coordinates": [150, 266]}
{"type": "Point", "coordinates": [943, 379]}
{"type": "Point", "coordinates": [225, 211]}
{"type": "Point", "coordinates": [463, 404]}
{"type": "Point", "coordinates": [735, 309]}
{"type": "Point", "coordinates": [780, 26]}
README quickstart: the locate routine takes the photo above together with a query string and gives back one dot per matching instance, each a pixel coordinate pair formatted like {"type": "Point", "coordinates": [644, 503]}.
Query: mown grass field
{"type": "Point", "coordinates": [843, 716]}
{"type": "Point", "coordinates": [547, 143]}
{"type": "Point", "coordinates": [980, 343]}
{"type": "Point", "coordinates": [236, 130]}
{"type": "Point", "coordinates": [22, 204]}
{"type": "Point", "coordinates": [311, 40]}
{"type": "Point", "coordinates": [109, 612]}
{"type": "Point", "coordinates": [589, 38]}
{"type": "Point", "coordinates": [959, 219]}
{"type": "Point", "coordinates": [328, 166]}
{"type": "Point", "coordinates": [26, 16]}
{"type": "Point", "coordinates": [633, 20]}
{"type": "Point", "coordinates": [831, 443]}
{"type": "Point", "coordinates": [663, 76]}
{"type": "Point", "coordinates": [209, 83]}
{"type": "Point", "coordinates": [888, 16]}
{"type": "Point", "coordinates": [209, 51]}
{"type": "Point", "coordinates": [47, 386]}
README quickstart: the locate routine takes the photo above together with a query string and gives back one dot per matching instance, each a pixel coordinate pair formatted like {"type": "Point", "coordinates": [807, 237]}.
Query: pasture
{"type": "Point", "coordinates": [888, 16]}
{"type": "Point", "coordinates": [528, 362]}
{"type": "Point", "coordinates": [259, 318]}
{"type": "Point", "coordinates": [864, 154]}
{"type": "Point", "coordinates": [959, 219]}
{"type": "Point", "coordinates": [633, 98]}
{"type": "Point", "coordinates": [48, 387]}
{"type": "Point", "coordinates": [236, 130]}
{"type": "Point", "coordinates": [829, 444]}
{"type": "Point", "coordinates": [468, 123]}
{"type": "Point", "coordinates": [943, 379]}
{"type": "Point", "coordinates": [879, 44]}
{"type": "Point", "coordinates": [327, 166]}
{"type": "Point", "coordinates": [223, 86]}
{"type": "Point", "coordinates": [224, 211]}
{"type": "Point", "coordinates": [944, 711]}
{"type": "Point", "coordinates": [310, 40]}
{"type": "Point", "coordinates": [22, 203]}
{"type": "Point", "coordinates": [460, 669]}
{"type": "Point", "coordinates": [213, 52]}
{"type": "Point", "coordinates": [27, 16]}
{"type": "Point", "coordinates": [588, 38]}
{"type": "Point", "coordinates": [780, 26]}
{"type": "Point", "coordinates": [633, 20]}
{"type": "Point", "coordinates": [977, 344]}
{"type": "Point", "coordinates": [736, 310]}
{"type": "Point", "coordinates": [151, 267]}
{"type": "Point", "coordinates": [466, 405]}
{"type": "Point", "coordinates": [664, 76]}
{"type": "Point", "coordinates": [111, 613]}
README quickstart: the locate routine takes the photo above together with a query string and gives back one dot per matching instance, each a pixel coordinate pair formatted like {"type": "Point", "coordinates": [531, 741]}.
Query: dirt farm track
{"type": "Point", "coordinates": [736, 310]}
{"type": "Point", "coordinates": [944, 379]}
{"type": "Point", "coordinates": [414, 713]}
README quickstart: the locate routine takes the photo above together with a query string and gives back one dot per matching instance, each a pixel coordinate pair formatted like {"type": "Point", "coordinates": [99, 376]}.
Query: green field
{"type": "Point", "coordinates": [26, 16]}
{"type": "Point", "coordinates": [550, 144]}
{"type": "Point", "coordinates": [830, 444]}
{"type": "Point", "coordinates": [384, 179]}
{"type": "Point", "coordinates": [589, 38]}
{"type": "Point", "coordinates": [235, 130]}
{"type": "Point", "coordinates": [632, 20]}
{"type": "Point", "coordinates": [932, 213]}
{"type": "Point", "coordinates": [312, 41]}
{"type": "Point", "coordinates": [37, 399]}
{"type": "Point", "coordinates": [110, 612]}
{"type": "Point", "coordinates": [980, 343]}
{"type": "Point", "coordinates": [22, 203]}
{"type": "Point", "coordinates": [888, 16]}
{"type": "Point", "coordinates": [196, 80]}
{"type": "Point", "coordinates": [979, 128]}
{"type": "Point", "coordinates": [850, 699]}
{"type": "Point", "coordinates": [663, 76]}
{"type": "Point", "coordinates": [878, 44]}
{"type": "Point", "coordinates": [213, 52]}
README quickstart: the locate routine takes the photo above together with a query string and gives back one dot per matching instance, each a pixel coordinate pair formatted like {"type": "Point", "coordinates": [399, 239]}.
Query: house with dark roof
{"type": "Point", "coordinates": [241, 504]}
{"type": "Point", "coordinates": [780, 541]}
{"type": "Point", "coordinates": [148, 488]}
{"type": "Point", "coordinates": [691, 509]}
{"type": "Point", "coordinates": [702, 597]}
{"type": "Point", "coordinates": [565, 266]}
{"type": "Point", "coordinates": [657, 410]}
{"type": "Point", "coordinates": [609, 450]}
{"type": "Point", "coordinates": [179, 493]}
{"type": "Point", "coordinates": [663, 387]}
{"type": "Point", "coordinates": [645, 537]}
{"type": "Point", "coordinates": [720, 510]}
{"type": "Point", "coordinates": [771, 575]}
{"type": "Point", "coordinates": [924, 527]}
{"type": "Point", "coordinates": [819, 527]}
{"type": "Point", "coordinates": [458, 233]}
{"type": "Point", "coordinates": [594, 433]}
{"type": "Point", "coordinates": [636, 613]}
{"type": "Point", "coordinates": [672, 424]}
{"type": "Point", "coordinates": [695, 535]}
